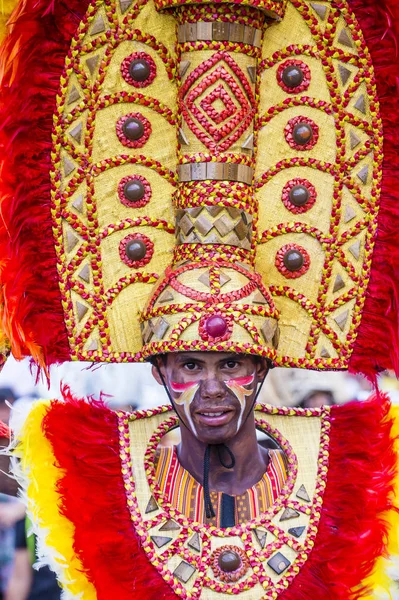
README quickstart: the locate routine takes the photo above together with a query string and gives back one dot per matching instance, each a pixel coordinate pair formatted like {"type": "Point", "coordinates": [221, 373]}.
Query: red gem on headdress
{"type": "Point", "coordinates": [134, 191]}
{"type": "Point", "coordinates": [292, 261]}
{"type": "Point", "coordinates": [215, 328]}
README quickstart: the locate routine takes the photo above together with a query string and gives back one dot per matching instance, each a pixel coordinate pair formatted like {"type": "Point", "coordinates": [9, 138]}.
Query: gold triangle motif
{"type": "Point", "coordinates": [224, 278]}
{"type": "Point", "coordinates": [259, 298]}
{"type": "Point", "coordinates": [93, 345]}
{"type": "Point", "coordinates": [167, 296]}
{"type": "Point", "coordinates": [288, 514]}
{"type": "Point", "coordinates": [71, 240]}
{"type": "Point", "coordinates": [342, 319]}
{"type": "Point", "coordinates": [81, 310]}
{"type": "Point", "coordinates": [69, 166]}
{"type": "Point", "coordinates": [184, 64]}
{"type": "Point", "coordinates": [160, 540]}
{"type": "Point", "coordinates": [268, 329]}
{"type": "Point", "coordinates": [355, 249]}
{"type": "Point", "coordinates": [302, 494]}
{"type": "Point", "coordinates": [354, 139]}
{"type": "Point", "coordinates": [252, 73]}
{"type": "Point", "coordinates": [344, 73]}
{"type": "Point", "coordinates": [204, 278]}
{"type": "Point", "coordinates": [124, 5]}
{"type": "Point", "coordinates": [151, 506]}
{"type": "Point", "coordinates": [360, 104]}
{"type": "Point", "coordinates": [338, 283]}
{"type": "Point", "coordinates": [76, 133]}
{"type": "Point", "coordinates": [349, 214]}
{"type": "Point", "coordinates": [73, 95]}
{"type": "Point", "coordinates": [99, 26]}
{"type": "Point", "coordinates": [320, 10]}
{"type": "Point", "coordinates": [363, 174]}
{"type": "Point", "coordinates": [261, 537]}
{"type": "Point", "coordinates": [78, 203]}
{"type": "Point", "coordinates": [249, 143]}
{"type": "Point", "coordinates": [92, 63]}
{"type": "Point", "coordinates": [194, 543]}
{"type": "Point", "coordinates": [85, 274]}
{"type": "Point", "coordinates": [170, 526]}
{"type": "Point", "coordinates": [183, 139]}
{"type": "Point", "coordinates": [325, 353]}
{"type": "Point", "coordinates": [345, 39]}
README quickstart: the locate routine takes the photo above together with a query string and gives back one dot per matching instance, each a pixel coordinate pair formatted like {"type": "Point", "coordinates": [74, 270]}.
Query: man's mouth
{"type": "Point", "coordinates": [215, 417]}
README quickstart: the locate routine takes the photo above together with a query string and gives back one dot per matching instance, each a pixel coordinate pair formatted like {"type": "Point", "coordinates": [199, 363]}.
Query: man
{"type": "Point", "coordinates": [218, 433]}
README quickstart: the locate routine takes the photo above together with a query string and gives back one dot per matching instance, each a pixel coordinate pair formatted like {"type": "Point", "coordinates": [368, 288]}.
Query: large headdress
{"type": "Point", "coordinates": [208, 176]}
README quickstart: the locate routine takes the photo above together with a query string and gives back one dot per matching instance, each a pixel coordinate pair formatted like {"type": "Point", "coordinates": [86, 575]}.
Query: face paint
{"type": "Point", "coordinates": [187, 391]}
{"type": "Point", "coordinates": [237, 387]}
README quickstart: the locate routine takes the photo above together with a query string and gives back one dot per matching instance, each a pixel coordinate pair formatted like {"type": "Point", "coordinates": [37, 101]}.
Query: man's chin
{"type": "Point", "coordinates": [217, 435]}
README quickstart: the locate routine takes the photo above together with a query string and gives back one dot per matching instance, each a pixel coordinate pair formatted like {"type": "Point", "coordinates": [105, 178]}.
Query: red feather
{"type": "Point", "coordinates": [377, 344]}
{"type": "Point", "coordinates": [32, 60]}
{"type": "Point", "coordinates": [352, 531]}
{"type": "Point", "coordinates": [85, 442]}
{"type": "Point", "coordinates": [4, 431]}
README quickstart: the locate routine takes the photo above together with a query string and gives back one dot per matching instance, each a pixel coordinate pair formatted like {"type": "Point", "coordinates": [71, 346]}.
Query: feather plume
{"type": "Point", "coordinates": [32, 60]}
{"type": "Point", "coordinates": [359, 496]}
{"type": "Point", "coordinates": [377, 344]}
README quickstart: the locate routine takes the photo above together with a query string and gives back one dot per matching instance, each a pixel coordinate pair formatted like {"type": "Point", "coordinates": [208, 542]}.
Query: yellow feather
{"type": "Point", "coordinates": [41, 477]}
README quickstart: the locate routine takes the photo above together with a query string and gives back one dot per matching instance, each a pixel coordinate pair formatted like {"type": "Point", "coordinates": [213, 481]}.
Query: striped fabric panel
{"type": "Point", "coordinates": [186, 494]}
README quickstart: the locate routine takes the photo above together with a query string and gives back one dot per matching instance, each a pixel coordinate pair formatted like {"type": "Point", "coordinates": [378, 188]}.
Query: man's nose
{"type": "Point", "coordinates": [212, 387]}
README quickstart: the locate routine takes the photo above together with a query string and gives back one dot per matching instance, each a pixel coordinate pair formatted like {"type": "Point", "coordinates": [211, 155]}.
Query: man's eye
{"type": "Point", "coordinates": [190, 366]}
{"type": "Point", "coordinates": [231, 364]}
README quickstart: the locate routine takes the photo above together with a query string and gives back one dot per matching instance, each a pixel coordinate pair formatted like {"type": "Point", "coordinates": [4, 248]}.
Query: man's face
{"type": "Point", "coordinates": [213, 391]}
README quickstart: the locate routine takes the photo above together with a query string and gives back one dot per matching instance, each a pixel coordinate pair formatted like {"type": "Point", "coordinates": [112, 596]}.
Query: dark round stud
{"type": "Point", "coordinates": [292, 76]}
{"type": "Point", "coordinates": [299, 195]}
{"type": "Point", "coordinates": [302, 133]}
{"type": "Point", "coordinates": [216, 326]}
{"type": "Point", "coordinates": [133, 129]}
{"type": "Point", "coordinates": [293, 260]}
{"type": "Point", "coordinates": [134, 190]}
{"type": "Point", "coordinates": [139, 70]}
{"type": "Point", "coordinates": [229, 561]}
{"type": "Point", "coordinates": [136, 250]}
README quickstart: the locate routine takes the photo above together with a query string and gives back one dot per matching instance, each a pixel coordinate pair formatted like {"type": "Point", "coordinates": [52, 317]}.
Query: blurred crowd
{"type": "Point", "coordinates": [128, 387]}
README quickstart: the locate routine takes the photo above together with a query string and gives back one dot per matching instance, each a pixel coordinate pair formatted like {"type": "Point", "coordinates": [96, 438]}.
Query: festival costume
{"type": "Point", "coordinates": [211, 177]}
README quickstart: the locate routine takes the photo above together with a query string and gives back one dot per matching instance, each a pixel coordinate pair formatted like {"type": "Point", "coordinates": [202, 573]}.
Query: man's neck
{"type": "Point", "coordinates": [251, 460]}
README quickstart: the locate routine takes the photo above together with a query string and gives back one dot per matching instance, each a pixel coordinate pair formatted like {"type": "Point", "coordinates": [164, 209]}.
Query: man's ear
{"type": "Point", "coordinates": [158, 365]}
{"type": "Point", "coordinates": [262, 368]}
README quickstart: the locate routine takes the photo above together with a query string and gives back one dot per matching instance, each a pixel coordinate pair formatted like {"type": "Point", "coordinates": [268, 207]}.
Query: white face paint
{"type": "Point", "coordinates": [237, 387]}
{"type": "Point", "coordinates": [187, 393]}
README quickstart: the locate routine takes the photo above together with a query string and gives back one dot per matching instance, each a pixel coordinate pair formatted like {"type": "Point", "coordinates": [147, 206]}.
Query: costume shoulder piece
{"type": "Point", "coordinates": [208, 176]}
{"type": "Point", "coordinates": [112, 532]}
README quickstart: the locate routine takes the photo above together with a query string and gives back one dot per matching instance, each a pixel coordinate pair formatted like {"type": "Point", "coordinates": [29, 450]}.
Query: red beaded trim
{"type": "Point", "coordinates": [147, 191]}
{"type": "Point", "coordinates": [306, 76]}
{"type": "Point", "coordinates": [126, 74]}
{"type": "Point", "coordinates": [289, 130]}
{"type": "Point", "coordinates": [205, 335]}
{"type": "Point", "coordinates": [285, 197]}
{"type": "Point", "coordinates": [232, 575]}
{"type": "Point", "coordinates": [136, 264]}
{"type": "Point", "coordinates": [133, 143]}
{"type": "Point", "coordinates": [280, 261]}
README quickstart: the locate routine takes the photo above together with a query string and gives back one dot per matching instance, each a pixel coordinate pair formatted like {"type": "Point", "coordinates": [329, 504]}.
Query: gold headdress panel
{"type": "Point", "coordinates": [199, 176]}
